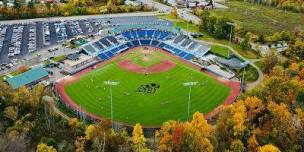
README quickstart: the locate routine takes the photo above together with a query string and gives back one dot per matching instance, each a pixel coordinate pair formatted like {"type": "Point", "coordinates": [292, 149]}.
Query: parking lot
{"type": "Point", "coordinates": [18, 41]}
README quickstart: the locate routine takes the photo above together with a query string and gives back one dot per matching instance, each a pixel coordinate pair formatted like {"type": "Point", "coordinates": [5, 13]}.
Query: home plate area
{"type": "Point", "coordinates": [145, 61]}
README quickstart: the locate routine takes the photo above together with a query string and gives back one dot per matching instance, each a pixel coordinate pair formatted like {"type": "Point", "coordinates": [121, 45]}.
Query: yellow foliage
{"type": "Point", "coordinates": [45, 148]}
{"type": "Point", "coordinates": [138, 136]}
{"type": "Point", "coordinates": [238, 118]}
{"type": "Point", "coordinates": [11, 112]}
{"type": "Point", "coordinates": [73, 122]}
{"type": "Point", "coordinates": [90, 132]}
{"type": "Point", "coordinates": [269, 148]}
{"type": "Point", "coordinates": [200, 124]}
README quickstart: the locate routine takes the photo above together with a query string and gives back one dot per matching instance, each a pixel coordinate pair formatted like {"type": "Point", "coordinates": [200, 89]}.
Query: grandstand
{"type": "Point", "coordinates": [164, 37]}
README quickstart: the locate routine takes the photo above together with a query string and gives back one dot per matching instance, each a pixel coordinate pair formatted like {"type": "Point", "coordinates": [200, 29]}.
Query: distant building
{"type": "Point", "coordinates": [28, 78]}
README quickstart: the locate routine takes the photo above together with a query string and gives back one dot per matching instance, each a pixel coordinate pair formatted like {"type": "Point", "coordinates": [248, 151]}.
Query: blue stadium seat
{"type": "Point", "coordinates": [109, 54]}
{"type": "Point", "coordinates": [155, 43]}
{"type": "Point", "coordinates": [133, 34]}
{"type": "Point", "coordinates": [182, 54]}
{"type": "Point", "coordinates": [188, 56]}
{"type": "Point", "coordinates": [161, 45]}
{"type": "Point", "coordinates": [135, 43]}
{"type": "Point", "coordinates": [103, 56]}
{"type": "Point", "coordinates": [145, 42]}
{"type": "Point", "coordinates": [163, 35]}
{"type": "Point", "coordinates": [127, 35]}
{"type": "Point", "coordinates": [141, 33]}
{"type": "Point", "coordinates": [156, 34]}
{"type": "Point", "coordinates": [129, 45]}
{"type": "Point", "coordinates": [113, 51]}
{"type": "Point", "coordinates": [169, 47]}
{"type": "Point", "coordinates": [177, 51]}
{"type": "Point", "coordinates": [150, 33]}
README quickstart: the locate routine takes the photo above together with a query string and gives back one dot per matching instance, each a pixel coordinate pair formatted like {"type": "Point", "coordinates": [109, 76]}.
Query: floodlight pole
{"type": "Point", "coordinates": [230, 35]}
{"type": "Point", "coordinates": [189, 84]}
{"type": "Point", "coordinates": [110, 84]}
{"type": "Point", "coordinates": [243, 79]}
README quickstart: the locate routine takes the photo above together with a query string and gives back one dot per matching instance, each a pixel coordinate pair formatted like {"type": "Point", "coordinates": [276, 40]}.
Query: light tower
{"type": "Point", "coordinates": [189, 84]}
{"type": "Point", "coordinates": [110, 84]}
{"type": "Point", "coordinates": [230, 35]}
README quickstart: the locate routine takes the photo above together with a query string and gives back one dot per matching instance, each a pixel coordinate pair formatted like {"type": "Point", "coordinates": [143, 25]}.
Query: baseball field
{"type": "Point", "coordinates": [150, 89]}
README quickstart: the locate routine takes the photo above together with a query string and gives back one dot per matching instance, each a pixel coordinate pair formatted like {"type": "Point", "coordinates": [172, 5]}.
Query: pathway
{"type": "Point", "coordinates": [251, 85]}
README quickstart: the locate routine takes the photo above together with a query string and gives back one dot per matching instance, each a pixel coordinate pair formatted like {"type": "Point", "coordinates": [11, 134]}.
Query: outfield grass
{"type": "Point", "coordinates": [260, 19]}
{"type": "Point", "coordinates": [169, 102]}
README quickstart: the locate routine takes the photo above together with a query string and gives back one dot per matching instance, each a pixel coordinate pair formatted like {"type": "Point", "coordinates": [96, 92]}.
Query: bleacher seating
{"type": "Point", "coordinates": [103, 56]}
{"type": "Point", "coordinates": [178, 39]}
{"type": "Point", "coordinates": [98, 45]}
{"type": "Point", "coordinates": [180, 45]}
{"type": "Point", "coordinates": [186, 42]}
{"type": "Point", "coordinates": [105, 42]}
{"type": "Point", "coordinates": [113, 39]}
{"type": "Point", "coordinates": [193, 45]}
{"type": "Point", "coordinates": [127, 34]}
{"type": "Point", "coordinates": [141, 33]}
{"type": "Point", "coordinates": [150, 33]}
{"type": "Point", "coordinates": [155, 43]}
{"type": "Point", "coordinates": [135, 42]}
{"type": "Point", "coordinates": [145, 42]}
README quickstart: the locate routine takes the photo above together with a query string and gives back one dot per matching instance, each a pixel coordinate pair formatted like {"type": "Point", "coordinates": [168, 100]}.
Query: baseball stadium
{"type": "Point", "coordinates": [147, 75]}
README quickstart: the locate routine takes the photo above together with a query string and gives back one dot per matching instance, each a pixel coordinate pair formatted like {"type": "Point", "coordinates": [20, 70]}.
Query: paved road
{"type": "Point", "coordinates": [183, 13]}
{"type": "Point", "coordinates": [53, 19]}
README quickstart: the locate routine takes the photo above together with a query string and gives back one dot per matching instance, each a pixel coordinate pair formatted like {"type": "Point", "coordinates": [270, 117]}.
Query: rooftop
{"type": "Point", "coordinates": [27, 77]}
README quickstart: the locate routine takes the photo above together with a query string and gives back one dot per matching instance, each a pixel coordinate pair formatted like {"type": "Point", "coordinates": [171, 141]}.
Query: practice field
{"type": "Point", "coordinates": [150, 89]}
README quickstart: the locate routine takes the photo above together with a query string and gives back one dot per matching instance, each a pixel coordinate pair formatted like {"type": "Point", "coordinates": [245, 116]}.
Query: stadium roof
{"type": "Point", "coordinates": [27, 77]}
{"type": "Point", "coordinates": [88, 48]}
{"type": "Point", "coordinates": [74, 56]}
{"type": "Point", "coordinates": [233, 62]}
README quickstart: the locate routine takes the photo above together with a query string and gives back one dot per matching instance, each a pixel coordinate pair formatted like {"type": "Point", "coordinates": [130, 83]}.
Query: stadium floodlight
{"type": "Point", "coordinates": [230, 35]}
{"type": "Point", "coordinates": [110, 84]}
{"type": "Point", "coordinates": [189, 84]}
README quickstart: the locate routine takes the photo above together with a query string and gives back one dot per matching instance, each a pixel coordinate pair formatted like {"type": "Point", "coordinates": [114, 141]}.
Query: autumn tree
{"type": "Point", "coordinates": [11, 112]}
{"type": "Point", "coordinates": [80, 144]}
{"type": "Point", "coordinates": [138, 138]}
{"type": "Point", "coordinates": [195, 136]}
{"type": "Point", "coordinates": [174, 12]}
{"type": "Point", "coordinates": [23, 69]}
{"type": "Point", "coordinates": [45, 148]}
{"type": "Point", "coordinates": [269, 61]}
{"type": "Point", "coordinates": [269, 148]}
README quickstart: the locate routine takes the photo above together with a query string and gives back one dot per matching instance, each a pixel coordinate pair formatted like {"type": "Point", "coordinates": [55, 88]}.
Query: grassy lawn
{"type": "Point", "coordinates": [2, 77]}
{"type": "Point", "coordinates": [251, 74]}
{"type": "Point", "coordinates": [59, 58]}
{"type": "Point", "coordinates": [260, 19]}
{"type": "Point", "coordinates": [180, 23]}
{"type": "Point", "coordinates": [221, 51]}
{"type": "Point", "coordinates": [169, 102]}
{"type": "Point", "coordinates": [14, 73]}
